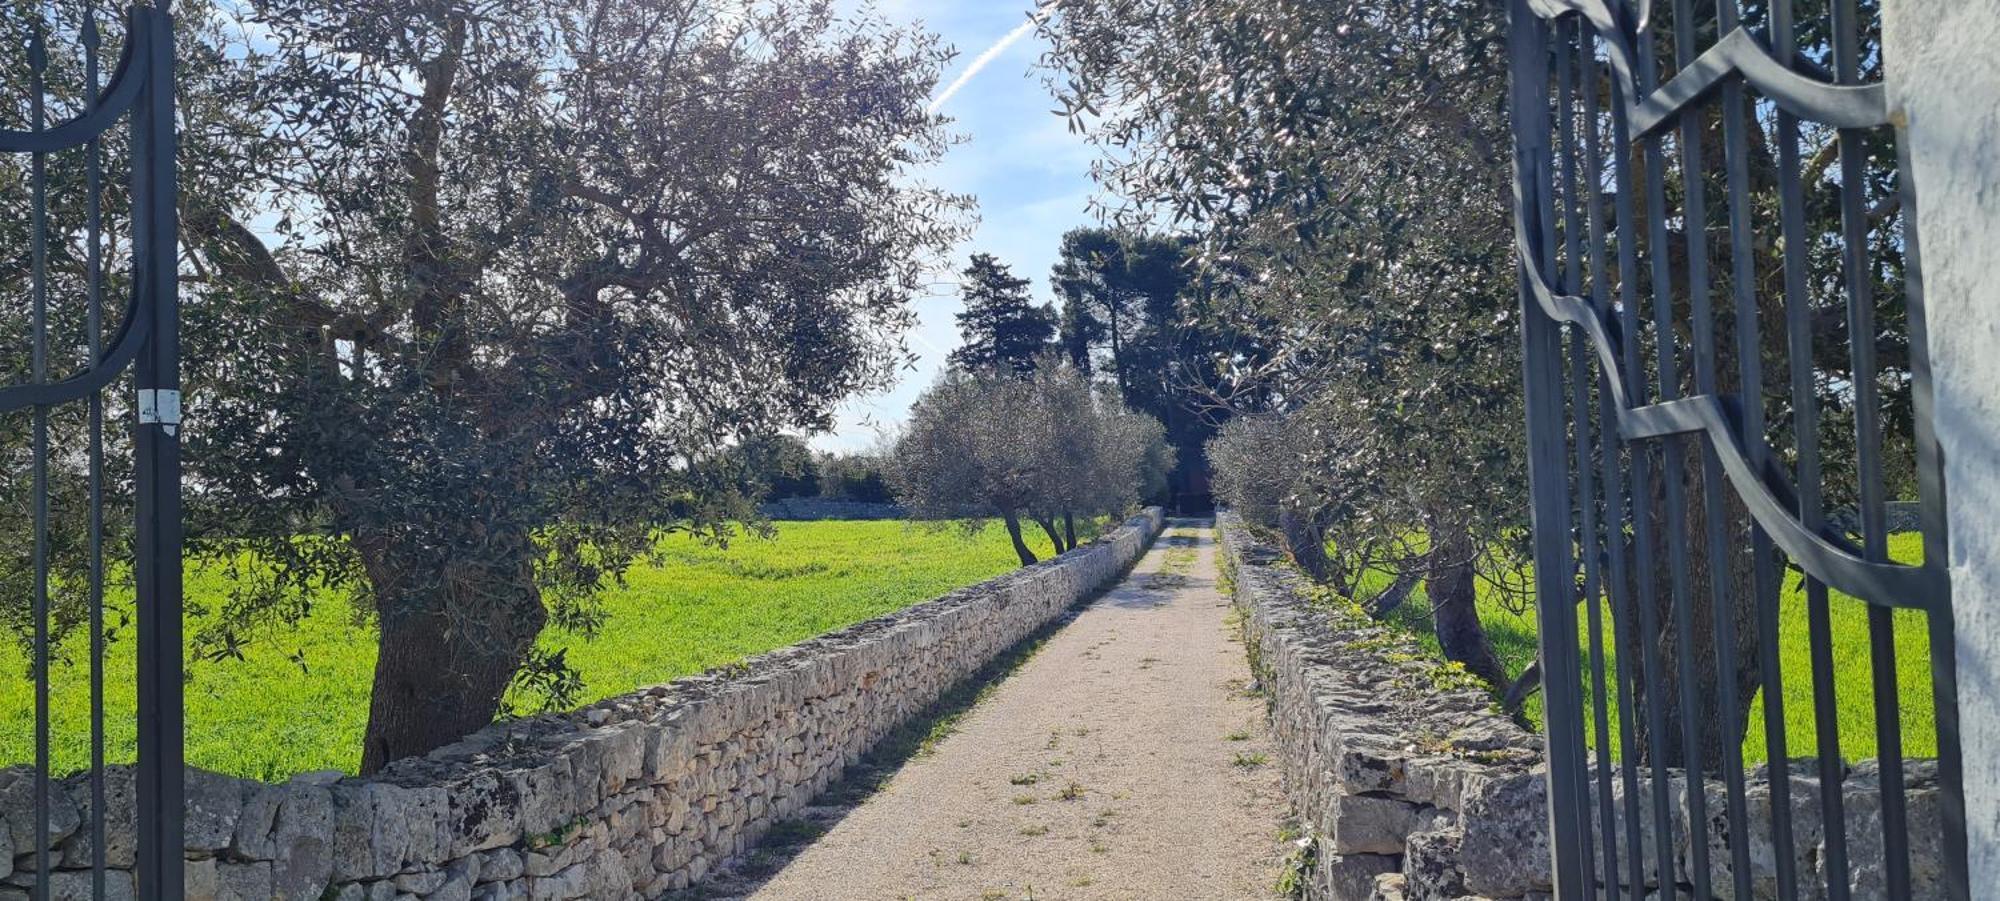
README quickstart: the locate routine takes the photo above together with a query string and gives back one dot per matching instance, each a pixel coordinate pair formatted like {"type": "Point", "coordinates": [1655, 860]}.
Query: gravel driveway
{"type": "Point", "coordinates": [1124, 760]}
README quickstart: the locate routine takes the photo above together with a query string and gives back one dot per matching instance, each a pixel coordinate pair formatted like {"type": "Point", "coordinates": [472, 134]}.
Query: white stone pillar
{"type": "Point", "coordinates": [1943, 71]}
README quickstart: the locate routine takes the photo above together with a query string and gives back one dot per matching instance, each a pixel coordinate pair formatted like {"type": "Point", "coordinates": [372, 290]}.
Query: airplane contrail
{"type": "Point", "coordinates": [992, 53]}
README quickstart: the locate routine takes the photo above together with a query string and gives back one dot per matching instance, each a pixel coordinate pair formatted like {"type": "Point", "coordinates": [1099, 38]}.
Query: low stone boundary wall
{"type": "Point", "coordinates": [1399, 765]}
{"type": "Point", "coordinates": [815, 508]}
{"type": "Point", "coordinates": [629, 798]}
{"type": "Point", "coordinates": [1415, 788]}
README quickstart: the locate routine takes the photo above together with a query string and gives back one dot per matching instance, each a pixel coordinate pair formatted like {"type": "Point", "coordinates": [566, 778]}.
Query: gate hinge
{"type": "Point", "coordinates": [160, 406]}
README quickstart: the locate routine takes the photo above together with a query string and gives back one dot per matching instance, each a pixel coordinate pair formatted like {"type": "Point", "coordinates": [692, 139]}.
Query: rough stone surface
{"type": "Point", "coordinates": [1936, 55]}
{"type": "Point", "coordinates": [811, 508]}
{"type": "Point", "coordinates": [1410, 786]}
{"type": "Point", "coordinates": [1389, 766]}
{"type": "Point", "coordinates": [630, 798]}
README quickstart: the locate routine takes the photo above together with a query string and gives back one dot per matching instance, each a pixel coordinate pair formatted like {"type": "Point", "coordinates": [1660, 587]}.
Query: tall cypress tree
{"type": "Point", "coordinates": [1003, 329]}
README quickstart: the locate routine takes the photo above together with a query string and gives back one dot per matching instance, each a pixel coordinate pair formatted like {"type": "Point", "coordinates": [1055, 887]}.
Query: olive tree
{"type": "Point", "coordinates": [1098, 457]}
{"type": "Point", "coordinates": [1045, 448]}
{"type": "Point", "coordinates": [505, 282]}
{"type": "Point", "coordinates": [1350, 161]}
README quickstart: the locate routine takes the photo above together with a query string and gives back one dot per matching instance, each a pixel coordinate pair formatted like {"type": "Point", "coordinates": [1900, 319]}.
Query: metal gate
{"type": "Point", "coordinates": [1726, 383]}
{"type": "Point", "coordinates": [93, 185]}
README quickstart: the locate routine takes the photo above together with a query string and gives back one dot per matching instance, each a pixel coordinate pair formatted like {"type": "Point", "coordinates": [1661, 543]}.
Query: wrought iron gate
{"type": "Point", "coordinates": [1724, 345]}
{"type": "Point", "coordinates": [78, 181]}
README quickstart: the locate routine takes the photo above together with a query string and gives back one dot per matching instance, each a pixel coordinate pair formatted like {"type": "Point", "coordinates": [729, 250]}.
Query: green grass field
{"type": "Point", "coordinates": [1513, 636]}
{"type": "Point", "coordinates": [270, 715]}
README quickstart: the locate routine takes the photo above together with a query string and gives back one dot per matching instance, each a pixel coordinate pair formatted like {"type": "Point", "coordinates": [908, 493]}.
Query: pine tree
{"type": "Point", "coordinates": [1003, 329]}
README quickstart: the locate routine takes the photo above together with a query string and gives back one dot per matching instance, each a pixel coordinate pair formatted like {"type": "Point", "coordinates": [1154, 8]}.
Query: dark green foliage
{"type": "Point", "coordinates": [1351, 161]}
{"type": "Point", "coordinates": [1137, 306]}
{"type": "Point", "coordinates": [1002, 328]}
{"type": "Point", "coordinates": [477, 305]}
{"type": "Point", "coordinates": [773, 467]}
{"type": "Point", "coordinates": [861, 478]}
{"type": "Point", "coordinates": [1045, 448]}
{"type": "Point", "coordinates": [1343, 168]}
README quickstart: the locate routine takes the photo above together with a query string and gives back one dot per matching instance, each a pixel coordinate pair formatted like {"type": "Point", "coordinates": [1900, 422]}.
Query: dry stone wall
{"type": "Point", "coordinates": [630, 798]}
{"type": "Point", "coordinates": [1414, 788]}
{"type": "Point", "coordinates": [1403, 772]}
{"type": "Point", "coordinates": [817, 508]}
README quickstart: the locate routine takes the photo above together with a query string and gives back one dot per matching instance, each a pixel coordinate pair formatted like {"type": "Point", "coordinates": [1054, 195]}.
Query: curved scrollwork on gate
{"type": "Point", "coordinates": [91, 181]}
{"type": "Point", "coordinates": [1728, 397]}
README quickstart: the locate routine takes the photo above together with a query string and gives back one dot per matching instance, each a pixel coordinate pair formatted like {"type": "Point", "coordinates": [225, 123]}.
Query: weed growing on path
{"type": "Point", "coordinates": [1251, 761]}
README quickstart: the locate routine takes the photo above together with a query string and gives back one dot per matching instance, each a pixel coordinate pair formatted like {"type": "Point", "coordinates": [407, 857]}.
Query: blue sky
{"type": "Point", "coordinates": [1031, 176]}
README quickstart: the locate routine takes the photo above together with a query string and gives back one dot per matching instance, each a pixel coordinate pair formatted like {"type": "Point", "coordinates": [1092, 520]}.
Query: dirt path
{"type": "Point", "coordinates": [1124, 760]}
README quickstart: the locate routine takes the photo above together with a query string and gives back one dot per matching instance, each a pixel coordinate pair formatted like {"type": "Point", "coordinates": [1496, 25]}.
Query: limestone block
{"type": "Point", "coordinates": [456, 888]}
{"type": "Point", "coordinates": [243, 881]}
{"type": "Point", "coordinates": [419, 883]}
{"type": "Point", "coordinates": [1351, 877]}
{"type": "Point", "coordinates": [500, 865]}
{"type": "Point", "coordinates": [1366, 824]}
{"type": "Point", "coordinates": [373, 824]}
{"type": "Point", "coordinates": [214, 803]}
{"type": "Point", "coordinates": [72, 885]}
{"type": "Point", "coordinates": [1431, 866]}
{"type": "Point", "coordinates": [482, 812]}
{"type": "Point", "coordinates": [1505, 851]}
{"type": "Point", "coordinates": [502, 891]}
{"type": "Point", "coordinates": [120, 823]}
{"type": "Point", "coordinates": [1389, 887]}
{"type": "Point", "coordinates": [301, 841]}
{"type": "Point", "coordinates": [549, 861]}
{"type": "Point", "coordinates": [1862, 811]}
{"type": "Point", "coordinates": [17, 808]}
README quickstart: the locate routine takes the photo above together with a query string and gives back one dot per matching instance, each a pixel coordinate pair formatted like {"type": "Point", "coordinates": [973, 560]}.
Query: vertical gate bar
{"type": "Point", "coordinates": [1671, 469]}
{"type": "Point", "coordinates": [1868, 438]}
{"type": "Point", "coordinates": [1805, 424]}
{"type": "Point", "coordinates": [94, 413]}
{"type": "Point", "coordinates": [1578, 96]}
{"type": "Point", "coordinates": [1674, 466]}
{"type": "Point", "coordinates": [1583, 503]}
{"type": "Point", "coordinates": [1826, 721]}
{"type": "Point", "coordinates": [158, 567]}
{"type": "Point", "coordinates": [1764, 578]}
{"type": "Point", "coordinates": [1600, 519]}
{"type": "Point", "coordinates": [1930, 492]}
{"type": "Point", "coordinates": [1612, 541]}
{"type": "Point", "coordinates": [39, 369]}
{"type": "Point", "coordinates": [1722, 623]}
{"type": "Point", "coordinates": [1527, 42]}
{"type": "Point", "coordinates": [1642, 481]}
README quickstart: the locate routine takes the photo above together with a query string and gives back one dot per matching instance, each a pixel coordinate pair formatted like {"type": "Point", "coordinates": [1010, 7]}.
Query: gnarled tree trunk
{"type": "Point", "coordinates": [1391, 599]}
{"type": "Point", "coordinates": [1454, 599]}
{"type": "Point", "coordinates": [1305, 541]}
{"type": "Point", "coordinates": [1710, 685]}
{"type": "Point", "coordinates": [1055, 536]}
{"type": "Point", "coordinates": [1013, 521]}
{"type": "Point", "coordinates": [443, 666]}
